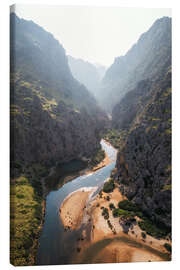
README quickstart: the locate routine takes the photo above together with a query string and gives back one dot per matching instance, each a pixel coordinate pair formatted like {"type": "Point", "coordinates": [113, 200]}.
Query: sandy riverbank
{"type": "Point", "coordinates": [121, 247]}
{"type": "Point", "coordinates": [72, 208]}
{"type": "Point", "coordinates": [138, 249]}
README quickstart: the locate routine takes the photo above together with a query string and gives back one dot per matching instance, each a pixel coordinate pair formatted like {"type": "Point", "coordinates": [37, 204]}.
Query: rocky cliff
{"type": "Point", "coordinates": [53, 117]}
{"type": "Point", "coordinates": [148, 57]}
{"type": "Point", "coordinates": [144, 158]}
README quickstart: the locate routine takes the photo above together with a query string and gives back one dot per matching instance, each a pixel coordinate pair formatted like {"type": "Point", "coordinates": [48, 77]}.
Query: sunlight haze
{"type": "Point", "coordinates": [95, 34]}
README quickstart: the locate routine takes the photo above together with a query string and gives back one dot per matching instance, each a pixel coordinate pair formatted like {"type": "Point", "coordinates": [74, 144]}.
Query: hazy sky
{"type": "Point", "coordinates": [97, 35]}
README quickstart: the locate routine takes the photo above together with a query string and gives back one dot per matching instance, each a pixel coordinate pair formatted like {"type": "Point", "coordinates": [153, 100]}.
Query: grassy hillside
{"type": "Point", "coordinates": [27, 209]}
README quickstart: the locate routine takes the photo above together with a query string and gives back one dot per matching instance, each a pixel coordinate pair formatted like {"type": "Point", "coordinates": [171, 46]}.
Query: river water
{"type": "Point", "coordinates": [55, 245]}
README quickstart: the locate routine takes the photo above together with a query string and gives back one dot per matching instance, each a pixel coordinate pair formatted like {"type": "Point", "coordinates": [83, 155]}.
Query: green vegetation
{"type": "Point", "coordinates": [143, 234]}
{"type": "Point", "coordinates": [107, 198]}
{"type": "Point", "coordinates": [122, 213]}
{"type": "Point", "coordinates": [131, 207]}
{"type": "Point", "coordinates": [115, 137]}
{"type": "Point", "coordinates": [127, 209]}
{"type": "Point", "coordinates": [152, 229]}
{"type": "Point", "coordinates": [155, 119]}
{"type": "Point", "coordinates": [28, 99]}
{"type": "Point", "coordinates": [27, 206]}
{"type": "Point", "coordinates": [128, 205]}
{"type": "Point", "coordinates": [14, 110]}
{"type": "Point", "coordinates": [109, 224]}
{"type": "Point", "coordinates": [168, 92]}
{"type": "Point", "coordinates": [25, 84]}
{"type": "Point", "coordinates": [17, 165]}
{"type": "Point", "coordinates": [167, 187]}
{"type": "Point", "coordinates": [168, 131]}
{"type": "Point", "coordinates": [109, 186]}
{"type": "Point", "coordinates": [111, 206]}
{"type": "Point", "coordinates": [97, 158]}
{"type": "Point", "coordinates": [100, 194]}
{"type": "Point", "coordinates": [105, 213]}
{"type": "Point", "coordinates": [168, 247]}
{"type": "Point", "coordinates": [170, 121]}
{"type": "Point", "coordinates": [26, 218]}
{"type": "Point", "coordinates": [159, 211]}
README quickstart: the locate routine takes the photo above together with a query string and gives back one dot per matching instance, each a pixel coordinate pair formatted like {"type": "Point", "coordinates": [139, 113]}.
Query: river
{"type": "Point", "coordinates": [55, 245]}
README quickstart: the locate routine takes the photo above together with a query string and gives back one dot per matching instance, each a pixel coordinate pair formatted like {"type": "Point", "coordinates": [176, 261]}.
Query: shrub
{"type": "Point", "coordinates": [109, 224]}
{"type": "Point", "coordinates": [105, 213]}
{"type": "Point", "coordinates": [115, 137]}
{"type": "Point", "coordinates": [122, 213]}
{"type": "Point", "coordinates": [167, 187]}
{"type": "Point", "coordinates": [139, 214]}
{"type": "Point", "coordinates": [143, 235]}
{"type": "Point", "coordinates": [20, 196]}
{"type": "Point", "coordinates": [17, 165]}
{"type": "Point", "coordinates": [128, 205]}
{"type": "Point", "coordinates": [168, 247]}
{"type": "Point", "coordinates": [100, 194]}
{"type": "Point", "coordinates": [111, 206]}
{"type": "Point", "coordinates": [23, 212]}
{"type": "Point", "coordinates": [159, 211]}
{"type": "Point", "coordinates": [109, 186]}
{"type": "Point", "coordinates": [151, 229]}
{"type": "Point", "coordinates": [22, 180]}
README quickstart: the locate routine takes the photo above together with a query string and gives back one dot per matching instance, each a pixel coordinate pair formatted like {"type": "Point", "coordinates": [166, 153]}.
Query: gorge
{"type": "Point", "coordinates": [67, 115]}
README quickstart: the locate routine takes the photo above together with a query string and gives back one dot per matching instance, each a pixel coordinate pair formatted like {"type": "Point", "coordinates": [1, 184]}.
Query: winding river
{"type": "Point", "coordinates": [55, 245]}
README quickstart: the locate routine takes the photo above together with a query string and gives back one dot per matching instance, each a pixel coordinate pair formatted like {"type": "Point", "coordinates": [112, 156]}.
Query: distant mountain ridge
{"type": "Point", "coordinates": [86, 73]}
{"type": "Point", "coordinates": [150, 54]}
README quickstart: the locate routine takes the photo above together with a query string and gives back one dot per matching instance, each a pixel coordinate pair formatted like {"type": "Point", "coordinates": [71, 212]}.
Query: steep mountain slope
{"type": "Point", "coordinates": [53, 116]}
{"type": "Point", "coordinates": [133, 102]}
{"type": "Point", "coordinates": [144, 157]}
{"type": "Point", "coordinates": [151, 54]}
{"type": "Point", "coordinates": [86, 73]}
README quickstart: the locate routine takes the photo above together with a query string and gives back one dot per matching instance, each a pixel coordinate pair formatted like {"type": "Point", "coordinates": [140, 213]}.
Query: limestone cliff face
{"type": "Point", "coordinates": [144, 114]}
{"type": "Point", "coordinates": [53, 117]}
{"type": "Point", "coordinates": [134, 101]}
{"type": "Point", "coordinates": [145, 59]}
{"type": "Point", "coordinates": [144, 159]}
{"type": "Point", "coordinates": [58, 134]}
